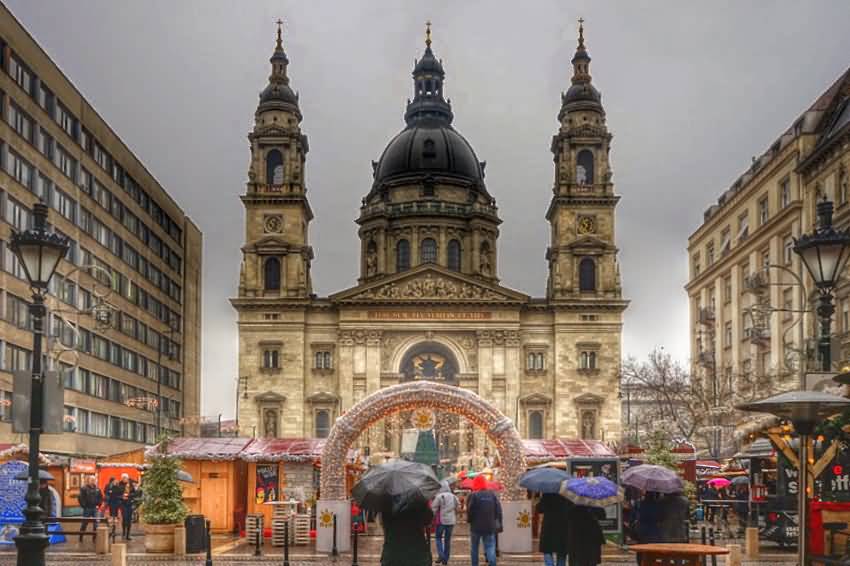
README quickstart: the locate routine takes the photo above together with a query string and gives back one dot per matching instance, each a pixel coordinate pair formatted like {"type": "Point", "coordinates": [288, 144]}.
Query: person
{"type": "Point", "coordinates": [584, 536]}
{"type": "Point", "coordinates": [648, 516]}
{"type": "Point", "coordinates": [444, 506]}
{"type": "Point", "coordinates": [90, 499]}
{"type": "Point", "coordinates": [128, 500]}
{"type": "Point", "coordinates": [405, 539]}
{"type": "Point", "coordinates": [674, 514]}
{"type": "Point", "coordinates": [114, 493]}
{"type": "Point", "coordinates": [46, 499]}
{"type": "Point", "coordinates": [553, 532]}
{"type": "Point", "coordinates": [484, 514]}
{"type": "Point", "coordinates": [118, 501]}
{"type": "Point", "coordinates": [710, 501]}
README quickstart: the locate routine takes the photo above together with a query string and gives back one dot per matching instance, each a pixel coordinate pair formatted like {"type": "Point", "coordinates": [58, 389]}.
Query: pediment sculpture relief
{"type": "Point", "coordinates": [431, 287]}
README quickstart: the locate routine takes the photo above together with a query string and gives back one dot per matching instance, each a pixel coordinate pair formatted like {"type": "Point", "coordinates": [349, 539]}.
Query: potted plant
{"type": "Point", "coordinates": [162, 500]}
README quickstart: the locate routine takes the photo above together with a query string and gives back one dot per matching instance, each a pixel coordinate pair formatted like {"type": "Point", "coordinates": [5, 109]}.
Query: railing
{"type": "Point", "coordinates": [706, 315]}
{"type": "Point", "coordinates": [428, 208]}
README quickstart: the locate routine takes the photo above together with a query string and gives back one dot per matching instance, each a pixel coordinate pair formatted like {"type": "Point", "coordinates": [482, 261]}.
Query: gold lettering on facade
{"type": "Point", "coordinates": [428, 315]}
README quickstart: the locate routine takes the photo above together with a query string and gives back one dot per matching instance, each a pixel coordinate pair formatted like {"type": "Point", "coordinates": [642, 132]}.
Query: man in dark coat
{"type": "Point", "coordinates": [553, 532]}
{"type": "Point", "coordinates": [90, 499]}
{"type": "Point", "coordinates": [584, 536]}
{"type": "Point", "coordinates": [674, 513]}
{"type": "Point", "coordinates": [405, 540]}
{"type": "Point", "coordinates": [484, 514]}
{"type": "Point", "coordinates": [46, 499]}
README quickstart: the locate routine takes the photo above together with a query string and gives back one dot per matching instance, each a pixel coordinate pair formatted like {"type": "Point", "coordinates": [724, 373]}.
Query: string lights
{"type": "Point", "coordinates": [414, 395]}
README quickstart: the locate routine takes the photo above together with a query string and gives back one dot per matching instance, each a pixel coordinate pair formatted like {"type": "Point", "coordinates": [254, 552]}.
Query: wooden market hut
{"type": "Point", "coordinates": [219, 488]}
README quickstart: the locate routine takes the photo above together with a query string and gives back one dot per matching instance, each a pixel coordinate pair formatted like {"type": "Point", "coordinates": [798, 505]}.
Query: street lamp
{"type": "Point", "coordinates": [824, 253]}
{"type": "Point", "coordinates": [805, 410]}
{"type": "Point", "coordinates": [39, 252]}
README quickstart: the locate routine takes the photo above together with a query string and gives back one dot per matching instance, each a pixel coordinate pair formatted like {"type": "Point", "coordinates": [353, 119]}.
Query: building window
{"type": "Point", "coordinates": [271, 273]}
{"type": "Point", "coordinates": [784, 192]}
{"type": "Point", "coordinates": [535, 361]}
{"type": "Point", "coordinates": [454, 255]}
{"type": "Point", "coordinates": [727, 289]}
{"type": "Point", "coordinates": [788, 250]}
{"type": "Point", "coordinates": [323, 360]}
{"type": "Point", "coordinates": [428, 253]}
{"type": "Point", "coordinates": [587, 275]}
{"type": "Point", "coordinates": [843, 188]}
{"type": "Point", "coordinates": [727, 335]}
{"type": "Point", "coordinates": [20, 122]}
{"type": "Point", "coordinates": [584, 167]}
{"type": "Point", "coordinates": [725, 241]}
{"type": "Point", "coordinates": [22, 75]}
{"type": "Point", "coordinates": [535, 425]}
{"type": "Point", "coordinates": [788, 304]}
{"type": "Point", "coordinates": [323, 423]}
{"type": "Point", "coordinates": [743, 226]}
{"type": "Point", "coordinates": [587, 360]}
{"type": "Point", "coordinates": [764, 211]}
{"type": "Point", "coordinates": [271, 359]}
{"type": "Point", "coordinates": [696, 264]}
{"type": "Point", "coordinates": [274, 167]}
{"type": "Point", "coordinates": [709, 254]}
{"type": "Point", "coordinates": [402, 255]}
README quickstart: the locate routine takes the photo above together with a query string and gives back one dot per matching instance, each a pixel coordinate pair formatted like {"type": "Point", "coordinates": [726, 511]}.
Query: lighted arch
{"type": "Point", "coordinates": [406, 396]}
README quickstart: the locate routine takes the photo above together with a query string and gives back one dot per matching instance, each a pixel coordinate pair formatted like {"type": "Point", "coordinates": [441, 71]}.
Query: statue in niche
{"type": "Point", "coordinates": [270, 423]}
{"type": "Point", "coordinates": [371, 261]}
{"type": "Point", "coordinates": [486, 264]}
{"type": "Point", "coordinates": [581, 175]}
{"type": "Point", "coordinates": [588, 425]}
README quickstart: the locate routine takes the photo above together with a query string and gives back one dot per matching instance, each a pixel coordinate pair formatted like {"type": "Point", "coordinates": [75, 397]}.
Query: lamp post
{"type": "Point", "coordinates": [805, 410]}
{"type": "Point", "coordinates": [39, 252]}
{"type": "Point", "coordinates": [824, 253]}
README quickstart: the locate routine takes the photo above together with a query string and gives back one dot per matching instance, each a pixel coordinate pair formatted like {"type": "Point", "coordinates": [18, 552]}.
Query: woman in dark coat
{"type": "Point", "coordinates": [553, 532]}
{"type": "Point", "coordinates": [584, 536]}
{"type": "Point", "coordinates": [405, 538]}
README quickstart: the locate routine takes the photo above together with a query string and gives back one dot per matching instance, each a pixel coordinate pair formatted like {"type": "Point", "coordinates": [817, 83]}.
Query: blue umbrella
{"type": "Point", "coordinates": [543, 480]}
{"type": "Point", "coordinates": [592, 491]}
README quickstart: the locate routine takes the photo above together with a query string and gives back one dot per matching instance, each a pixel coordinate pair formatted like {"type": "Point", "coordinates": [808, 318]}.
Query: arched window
{"type": "Point", "coordinates": [327, 359]}
{"type": "Point", "coordinates": [429, 150]}
{"type": "Point", "coordinates": [529, 363]}
{"type": "Point", "coordinates": [428, 252]}
{"type": "Point", "coordinates": [323, 423]}
{"type": "Point", "coordinates": [535, 424]}
{"type": "Point", "coordinates": [319, 360]}
{"type": "Point", "coordinates": [587, 275]}
{"type": "Point", "coordinates": [538, 363]}
{"type": "Point", "coordinates": [402, 255]}
{"type": "Point", "coordinates": [274, 167]}
{"type": "Point", "coordinates": [454, 255]}
{"type": "Point", "coordinates": [271, 274]}
{"type": "Point", "coordinates": [584, 167]}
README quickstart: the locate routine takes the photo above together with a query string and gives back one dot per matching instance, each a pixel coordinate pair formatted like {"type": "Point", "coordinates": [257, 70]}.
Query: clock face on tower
{"type": "Point", "coordinates": [273, 224]}
{"type": "Point", "coordinates": [586, 225]}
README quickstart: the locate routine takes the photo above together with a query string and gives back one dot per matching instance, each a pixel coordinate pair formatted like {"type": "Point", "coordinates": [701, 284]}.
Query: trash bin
{"type": "Point", "coordinates": [196, 534]}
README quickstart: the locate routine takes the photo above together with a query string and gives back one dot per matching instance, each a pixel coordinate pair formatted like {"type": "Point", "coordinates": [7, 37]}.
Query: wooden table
{"type": "Point", "coordinates": [675, 553]}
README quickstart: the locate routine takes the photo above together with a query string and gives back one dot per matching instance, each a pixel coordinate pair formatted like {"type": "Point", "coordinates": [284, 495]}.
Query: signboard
{"type": "Point", "coordinates": [267, 483]}
{"type": "Point", "coordinates": [607, 468]}
{"type": "Point", "coordinates": [54, 402]}
{"type": "Point", "coordinates": [79, 466]}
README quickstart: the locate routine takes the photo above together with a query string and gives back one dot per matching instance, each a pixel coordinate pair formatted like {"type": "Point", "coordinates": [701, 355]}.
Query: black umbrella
{"type": "Point", "coordinates": [394, 485]}
{"type": "Point", "coordinates": [740, 480]}
{"type": "Point", "coordinates": [42, 475]}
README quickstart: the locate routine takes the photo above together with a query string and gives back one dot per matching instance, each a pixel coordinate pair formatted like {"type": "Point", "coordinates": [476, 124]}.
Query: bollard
{"type": "Point", "coordinates": [711, 543]}
{"type": "Point", "coordinates": [179, 540]}
{"type": "Point", "coordinates": [734, 557]}
{"type": "Point", "coordinates": [703, 540]}
{"type": "Point", "coordinates": [286, 543]}
{"type": "Point", "coordinates": [209, 546]}
{"type": "Point", "coordinates": [751, 542]}
{"type": "Point", "coordinates": [334, 550]}
{"type": "Point", "coordinates": [101, 539]}
{"type": "Point", "coordinates": [258, 541]}
{"type": "Point", "coordinates": [119, 554]}
{"type": "Point", "coordinates": [354, 547]}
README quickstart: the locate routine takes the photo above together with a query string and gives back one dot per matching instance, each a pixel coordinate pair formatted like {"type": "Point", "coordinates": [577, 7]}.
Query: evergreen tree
{"type": "Point", "coordinates": [162, 500]}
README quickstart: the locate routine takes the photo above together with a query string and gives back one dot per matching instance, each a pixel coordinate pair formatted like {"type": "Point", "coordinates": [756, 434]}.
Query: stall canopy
{"type": "Point", "coordinates": [284, 450]}
{"type": "Point", "coordinates": [760, 448]}
{"type": "Point", "coordinates": [10, 451]}
{"type": "Point", "coordinates": [541, 451]}
{"type": "Point", "coordinates": [211, 449]}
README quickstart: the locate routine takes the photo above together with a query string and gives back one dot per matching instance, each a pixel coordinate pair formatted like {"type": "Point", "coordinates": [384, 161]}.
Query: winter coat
{"type": "Point", "coordinates": [674, 511]}
{"type": "Point", "coordinates": [90, 497]}
{"type": "Point", "coordinates": [584, 537]}
{"type": "Point", "coordinates": [484, 513]}
{"type": "Point", "coordinates": [47, 501]}
{"type": "Point", "coordinates": [116, 494]}
{"type": "Point", "coordinates": [445, 506]}
{"type": "Point", "coordinates": [553, 533]}
{"type": "Point", "coordinates": [405, 539]}
{"type": "Point", "coordinates": [648, 520]}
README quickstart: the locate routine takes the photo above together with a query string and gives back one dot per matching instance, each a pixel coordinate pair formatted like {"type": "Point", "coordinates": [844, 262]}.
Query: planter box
{"type": "Point", "coordinates": [159, 538]}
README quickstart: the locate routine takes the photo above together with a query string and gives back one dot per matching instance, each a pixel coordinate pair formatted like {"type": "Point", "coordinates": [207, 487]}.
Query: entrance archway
{"type": "Point", "coordinates": [405, 397]}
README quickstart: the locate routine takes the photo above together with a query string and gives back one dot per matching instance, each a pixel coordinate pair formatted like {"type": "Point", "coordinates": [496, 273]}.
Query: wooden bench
{"type": "Point", "coordinates": [96, 521]}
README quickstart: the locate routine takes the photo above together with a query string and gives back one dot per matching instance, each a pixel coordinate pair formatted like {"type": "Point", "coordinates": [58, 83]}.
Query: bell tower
{"type": "Point", "coordinates": [582, 255]}
{"type": "Point", "coordinates": [277, 255]}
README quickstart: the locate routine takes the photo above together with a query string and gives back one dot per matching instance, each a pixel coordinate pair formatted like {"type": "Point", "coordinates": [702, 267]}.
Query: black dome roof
{"type": "Point", "coordinates": [429, 147]}
{"type": "Point", "coordinates": [278, 92]}
{"type": "Point", "coordinates": [582, 92]}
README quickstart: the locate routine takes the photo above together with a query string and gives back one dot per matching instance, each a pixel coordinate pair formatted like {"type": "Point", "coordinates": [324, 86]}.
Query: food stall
{"type": "Point", "coordinates": [220, 479]}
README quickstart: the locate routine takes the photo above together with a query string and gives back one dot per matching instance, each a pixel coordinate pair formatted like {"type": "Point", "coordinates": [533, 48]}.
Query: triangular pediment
{"type": "Point", "coordinates": [429, 283]}
{"type": "Point", "coordinates": [589, 399]}
{"type": "Point", "coordinates": [269, 397]}
{"type": "Point", "coordinates": [590, 242]}
{"type": "Point", "coordinates": [271, 242]}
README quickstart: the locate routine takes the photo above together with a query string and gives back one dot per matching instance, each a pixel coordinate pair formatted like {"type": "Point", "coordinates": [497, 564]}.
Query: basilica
{"type": "Point", "coordinates": [427, 304]}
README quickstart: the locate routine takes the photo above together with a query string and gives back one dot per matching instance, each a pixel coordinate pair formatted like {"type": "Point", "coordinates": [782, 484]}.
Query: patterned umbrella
{"type": "Point", "coordinates": [543, 480]}
{"type": "Point", "coordinates": [649, 477]}
{"type": "Point", "coordinates": [592, 491]}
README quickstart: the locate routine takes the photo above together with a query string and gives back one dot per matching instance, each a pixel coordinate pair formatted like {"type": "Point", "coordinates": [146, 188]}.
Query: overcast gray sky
{"type": "Point", "coordinates": [692, 91]}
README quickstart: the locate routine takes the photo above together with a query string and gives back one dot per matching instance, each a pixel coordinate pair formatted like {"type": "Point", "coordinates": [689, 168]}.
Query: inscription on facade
{"type": "Point", "coordinates": [429, 315]}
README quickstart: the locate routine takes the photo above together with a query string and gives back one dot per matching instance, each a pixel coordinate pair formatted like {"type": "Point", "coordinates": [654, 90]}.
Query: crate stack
{"type": "Point", "coordinates": [253, 524]}
{"type": "Point", "coordinates": [302, 528]}
{"type": "Point", "coordinates": [281, 516]}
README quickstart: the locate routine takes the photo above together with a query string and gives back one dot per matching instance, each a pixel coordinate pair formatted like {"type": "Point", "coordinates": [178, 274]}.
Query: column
{"type": "Point", "coordinates": [512, 374]}
{"type": "Point", "coordinates": [442, 252]}
{"type": "Point", "coordinates": [346, 370]}
{"type": "Point", "coordinates": [373, 380]}
{"type": "Point", "coordinates": [485, 364]}
{"type": "Point", "coordinates": [414, 248]}
{"type": "Point", "coordinates": [382, 251]}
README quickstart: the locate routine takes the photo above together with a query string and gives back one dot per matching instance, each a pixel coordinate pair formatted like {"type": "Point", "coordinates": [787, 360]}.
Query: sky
{"type": "Point", "coordinates": [691, 90]}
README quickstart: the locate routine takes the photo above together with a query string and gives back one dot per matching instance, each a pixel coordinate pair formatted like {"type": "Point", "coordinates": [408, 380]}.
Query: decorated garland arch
{"type": "Point", "coordinates": [412, 395]}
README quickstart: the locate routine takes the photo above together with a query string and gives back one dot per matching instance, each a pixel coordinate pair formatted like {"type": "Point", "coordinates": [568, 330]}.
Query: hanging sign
{"type": "Point", "coordinates": [267, 483]}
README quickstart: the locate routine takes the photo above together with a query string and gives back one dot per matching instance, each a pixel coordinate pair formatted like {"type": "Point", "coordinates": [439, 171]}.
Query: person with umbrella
{"type": "Point", "coordinates": [484, 515]}
{"type": "Point", "coordinates": [674, 510]}
{"type": "Point", "coordinates": [400, 491]}
{"type": "Point", "coordinates": [590, 496]}
{"type": "Point", "coordinates": [554, 508]}
{"type": "Point", "coordinates": [444, 506]}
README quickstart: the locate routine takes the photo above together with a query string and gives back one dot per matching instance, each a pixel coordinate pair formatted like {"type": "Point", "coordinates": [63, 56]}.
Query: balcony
{"type": "Point", "coordinates": [706, 316]}
{"type": "Point", "coordinates": [427, 208]}
{"type": "Point", "coordinates": [755, 282]}
{"type": "Point", "coordinates": [757, 336]}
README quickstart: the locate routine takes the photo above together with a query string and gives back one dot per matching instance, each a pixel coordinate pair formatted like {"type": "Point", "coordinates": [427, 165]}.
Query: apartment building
{"type": "Point", "coordinates": [752, 326]}
{"type": "Point", "coordinates": [125, 304]}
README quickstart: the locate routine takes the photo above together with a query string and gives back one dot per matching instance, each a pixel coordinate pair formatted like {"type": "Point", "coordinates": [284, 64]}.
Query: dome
{"type": "Point", "coordinates": [278, 92]}
{"type": "Point", "coordinates": [582, 92]}
{"type": "Point", "coordinates": [428, 147]}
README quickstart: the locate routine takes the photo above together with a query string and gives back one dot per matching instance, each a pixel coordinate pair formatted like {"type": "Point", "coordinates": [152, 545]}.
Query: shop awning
{"type": "Point", "coordinates": [539, 451]}
{"type": "Point", "coordinates": [284, 450]}
{"type": "Point", "coordinates": [10, 451]}
{"type": "Point", "coordinates": [713, 464]}
{"type": "Point", "coordinates": [760, 448]}
{"type": "Point", "coordinates": [214, 449]}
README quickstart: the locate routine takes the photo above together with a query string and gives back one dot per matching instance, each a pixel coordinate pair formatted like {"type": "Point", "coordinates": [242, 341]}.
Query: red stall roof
{"type": "Point", "coordinates": [190, 448]}
{"type": "Point", "coordinates": [538, 451]}
{"type": "Point", "coordinates": [284, 450]}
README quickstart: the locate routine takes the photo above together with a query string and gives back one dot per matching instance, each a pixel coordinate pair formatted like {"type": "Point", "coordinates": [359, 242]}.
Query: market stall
{"type": "Point", "coordinates": [219, 489]}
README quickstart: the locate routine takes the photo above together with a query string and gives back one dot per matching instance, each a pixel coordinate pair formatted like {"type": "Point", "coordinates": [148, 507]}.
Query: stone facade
{"type": "Point", "coordinates": [751, 321]}
{"type": "Point", "coordinates": [428, 303]}
{"type": "Point", "coordinates": [134, 253]}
